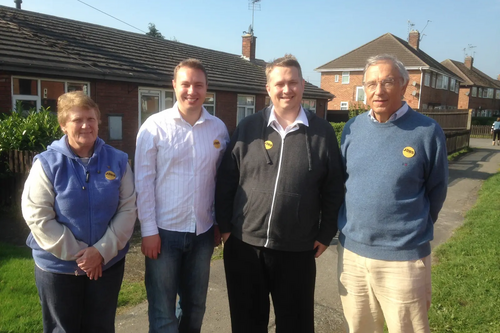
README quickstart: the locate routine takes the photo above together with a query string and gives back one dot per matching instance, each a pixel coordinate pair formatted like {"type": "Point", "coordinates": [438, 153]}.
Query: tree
{"type": "Point", "coordinates": [153, 32]}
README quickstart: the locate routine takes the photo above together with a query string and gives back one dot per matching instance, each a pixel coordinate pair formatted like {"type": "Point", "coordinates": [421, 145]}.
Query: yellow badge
{"type": "Point", "coordinates": [110, 175]}
{"type": "Point", "coordinates": [268, 144]}
{"type": "Point", "coordinates": [408, 152]}
{"type": "Point", "coordinates": [216, 143]}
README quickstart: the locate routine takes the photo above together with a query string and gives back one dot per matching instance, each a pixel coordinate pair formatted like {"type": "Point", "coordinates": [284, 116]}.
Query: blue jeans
{"type": "Point", "coordinates": [76, 304]}
{"type": "Point", "coordinates": [182, 268]}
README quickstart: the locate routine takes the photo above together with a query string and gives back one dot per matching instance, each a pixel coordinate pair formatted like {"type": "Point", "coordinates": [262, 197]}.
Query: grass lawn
{"type": "Point", "coordinates": [466, 277]}
{"type": "Point", "coordinates": [19, 306]}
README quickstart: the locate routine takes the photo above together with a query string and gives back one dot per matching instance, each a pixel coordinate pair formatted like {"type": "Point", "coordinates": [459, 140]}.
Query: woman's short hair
{"type": "Point", "coordinates": [73, 99]}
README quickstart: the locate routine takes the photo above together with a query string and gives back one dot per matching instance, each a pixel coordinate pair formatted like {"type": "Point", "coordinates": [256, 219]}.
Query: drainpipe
{"type": "Point", "coordinates": [18, 3]}
{"type": "Point", "coordinates": [421, 83]}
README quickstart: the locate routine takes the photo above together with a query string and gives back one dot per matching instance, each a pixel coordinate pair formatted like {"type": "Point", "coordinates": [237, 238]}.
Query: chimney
{"type": "Point", "coordinates": [468, 62]}
{"type": "Point", "coordinates": [248, 46]}
{"type": "Point", "coordinates": [18, 3]}
{"type": "Point", "coordinates": [414, 39]}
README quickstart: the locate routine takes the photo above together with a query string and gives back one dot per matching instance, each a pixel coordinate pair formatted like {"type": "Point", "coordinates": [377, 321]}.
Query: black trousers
{"type": "Point", "coordinates": [76, 304]}
{"type": "Point", "coordinates": [252, 273]}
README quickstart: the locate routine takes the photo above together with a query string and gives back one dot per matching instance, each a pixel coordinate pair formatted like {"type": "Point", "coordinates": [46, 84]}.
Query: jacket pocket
{"type": "Point", "coordinates": [256, 212]}
{"type": "Point", "coordinates": [286, 223]}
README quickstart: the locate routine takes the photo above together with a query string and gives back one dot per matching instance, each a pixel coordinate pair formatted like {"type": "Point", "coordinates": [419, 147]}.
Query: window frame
{"type": "Point", "coordinates": [336, 78]}
{"type": "Point", "coordinates": [473, 92]}
{"type": "Point", "coordinates": [310, 100]}
{"type": "Point", "coordinates": [362, 88]}
{"type": "Point", "coordinates": [347, 75]}
{"type": "Point", "coordinates": [38, 98]}
{"type": "Point", "coordinates": [214, 104]}
{"type": "Point", "coordinates": [115, 115]}
{"type": "Point", "coordinates": [344, 105]}
{"type": "Point", "coordinates": [427, 79]}
{"type": "Point", "coordinates": [161, 100]}
{"type": "Point", "coordinates": [246, 106]}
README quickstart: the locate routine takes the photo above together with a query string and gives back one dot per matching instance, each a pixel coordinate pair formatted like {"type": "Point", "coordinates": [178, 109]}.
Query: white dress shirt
{"type": "Point", "coordinates": [301, 119]}
{"type": "Point", "coordinates": [175, 171]}
{"type": "Point", "coordinates": [398, 114]}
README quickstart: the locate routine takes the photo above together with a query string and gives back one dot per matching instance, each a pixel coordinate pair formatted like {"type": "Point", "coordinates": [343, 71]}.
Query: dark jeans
{"type": "Point", "coordinates": [76, 304]}
{"type": "Point", "coordinates": [182, 268]}
{"type": "Point", "coordinates": [252, 273]}
{"type": "Point", "coordinates": [496, 135]}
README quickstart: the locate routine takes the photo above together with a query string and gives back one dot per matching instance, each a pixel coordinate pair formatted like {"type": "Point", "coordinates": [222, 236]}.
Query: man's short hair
{"type": "Point", "coordinates": [193, 64]}
{"type": "Point", "coordinates": [287, 61]}
{"type": "Point", "coordinates": [372, 61]}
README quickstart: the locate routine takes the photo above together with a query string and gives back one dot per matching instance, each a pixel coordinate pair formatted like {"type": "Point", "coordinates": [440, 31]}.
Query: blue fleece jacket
{"type": "Point", "coordinates": [396, 182]}
{"type": "Point", "coordinates": [86, 197]}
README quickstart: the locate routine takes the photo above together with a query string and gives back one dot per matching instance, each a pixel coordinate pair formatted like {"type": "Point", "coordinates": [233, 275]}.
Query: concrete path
{"type": "Point", "coordinates": [466, 177]}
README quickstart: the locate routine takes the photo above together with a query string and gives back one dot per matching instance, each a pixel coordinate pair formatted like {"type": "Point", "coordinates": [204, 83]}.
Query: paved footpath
{"type": "Point", "coordinates": [466, 177]}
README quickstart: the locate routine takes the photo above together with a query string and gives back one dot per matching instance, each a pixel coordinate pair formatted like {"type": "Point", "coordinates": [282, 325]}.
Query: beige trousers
{"type": "Point", "coordinates": [371, 290]}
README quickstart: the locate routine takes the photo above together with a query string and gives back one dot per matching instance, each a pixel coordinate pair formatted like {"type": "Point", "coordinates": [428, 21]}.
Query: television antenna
{"type": "Point", "coordinates": [469, 48]}
{"type": "Point", "coordinates": [253, 5]}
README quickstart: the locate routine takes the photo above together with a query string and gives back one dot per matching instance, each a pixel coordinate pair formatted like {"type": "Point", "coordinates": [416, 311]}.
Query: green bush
{"type": "Point", "coordinates": [338, 127]}
{"type": "Point", "coordinates": [483, 120]}
{"type": "Point", "coordinates": [30, 130]}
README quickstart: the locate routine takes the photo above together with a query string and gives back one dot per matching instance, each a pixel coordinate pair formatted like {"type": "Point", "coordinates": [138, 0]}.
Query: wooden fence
{"type": "Point", "coordinates": [13, 173]}
{"type": "Point", "coordinates": [480, 131]}
{"type": "Point", "coordinates": [450, 120]}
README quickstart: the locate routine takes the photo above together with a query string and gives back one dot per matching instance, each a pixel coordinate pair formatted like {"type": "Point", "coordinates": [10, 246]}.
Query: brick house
{"type": "Point", "coordinates": [431, 85]}
{"type": "Point", "coordinates": [478, 91]}
{"type": "Point", "coordinates": [128, 74]}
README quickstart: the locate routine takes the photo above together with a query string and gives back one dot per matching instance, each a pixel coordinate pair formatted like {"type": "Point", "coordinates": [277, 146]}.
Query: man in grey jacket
{"type": "Point", "coordinates": [279, 188]}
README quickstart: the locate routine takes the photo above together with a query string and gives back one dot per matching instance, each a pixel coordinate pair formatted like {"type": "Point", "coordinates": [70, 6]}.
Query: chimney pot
{"type": "Point", "coordinates": [18, 3]}
{"type": "Point", "coordinates": [469, 61]}
{"type": "Point", "coordinates": [248, 46]}
{"type": "Point", "coordinates": [414, 39]}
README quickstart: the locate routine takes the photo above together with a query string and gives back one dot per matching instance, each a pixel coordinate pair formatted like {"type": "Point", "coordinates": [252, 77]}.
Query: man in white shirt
{"type": "Point", "coordinates": [177, 155]}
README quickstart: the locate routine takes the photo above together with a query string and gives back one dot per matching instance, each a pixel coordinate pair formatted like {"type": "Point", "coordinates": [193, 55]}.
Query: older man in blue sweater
{"type": "Point", "coordinates": [396, 170]}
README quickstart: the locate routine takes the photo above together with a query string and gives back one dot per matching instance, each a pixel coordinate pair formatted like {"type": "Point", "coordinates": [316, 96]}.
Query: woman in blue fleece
{"type": "Point", "coordinates": [79, 202]}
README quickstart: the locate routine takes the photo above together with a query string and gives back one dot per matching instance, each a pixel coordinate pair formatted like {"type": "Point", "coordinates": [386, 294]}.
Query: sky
{"type": "Point", "coordinates": [315, 31]}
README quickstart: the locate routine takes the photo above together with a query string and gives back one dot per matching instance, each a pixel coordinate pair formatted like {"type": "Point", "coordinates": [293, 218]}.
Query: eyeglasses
{"type": "Point", "coordinates": [387, 84]}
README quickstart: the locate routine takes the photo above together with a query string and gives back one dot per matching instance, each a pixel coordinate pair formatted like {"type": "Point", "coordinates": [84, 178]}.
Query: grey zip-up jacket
{"type": "Point", "coordinates": [281, 194]}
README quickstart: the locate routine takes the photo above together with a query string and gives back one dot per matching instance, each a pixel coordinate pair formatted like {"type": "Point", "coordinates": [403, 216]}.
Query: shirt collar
{"type": "Point", "coordinates": [176, 114]}
{"type": "Point", "coordinates": [301, 118]}
{"type": "Point", "coordinates": [398, 114]}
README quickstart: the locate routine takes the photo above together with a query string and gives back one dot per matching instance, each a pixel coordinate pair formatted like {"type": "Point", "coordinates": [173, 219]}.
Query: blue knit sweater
{"type": "Point", "coordinates": [396, 183]}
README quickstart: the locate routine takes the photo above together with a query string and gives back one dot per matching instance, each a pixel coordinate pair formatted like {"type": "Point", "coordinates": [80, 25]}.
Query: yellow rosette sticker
{"type": "Point", "coordinates": [268, 144]}
{"type": "Point", "coordinates": [408, 152]}
{"type": "Point", "coordinates": [216, 143]}
{"type": "Point", "coordinates": [110, 175]}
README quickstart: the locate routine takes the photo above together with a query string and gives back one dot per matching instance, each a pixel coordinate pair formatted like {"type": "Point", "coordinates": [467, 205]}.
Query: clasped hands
{"type": "Point", "coordinates": [90, 261]}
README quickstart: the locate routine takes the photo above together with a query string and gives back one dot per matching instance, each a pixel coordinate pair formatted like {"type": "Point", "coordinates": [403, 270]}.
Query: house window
{"type": "Point", "coordinates": [345, 77]}
{"type": "Point", "coordinates": [490, 93]}
{"type": "Point", "coordinates": [115, 127]}
{"type": "Point", "coordinates": [474, 91]}
{"type": "Point", "coordinates": [154, 100]}
{"type": "Point", "coordinates": [457, 86]}
{"type": "Point", "coordinates": [35, 93]}
{"type": "Point", "coordinates": [336, 78]}
{"type": "Point", "coordinates": [445, 83]}
{"type": "Point", "coordinates": [497, 94]}
{"type": "Point", "coordinates": [439, 81]}
{"type": "Point", "coordinates": [246, 107]}
{"type": "Point", "coordinates": [344, 105]}
{"type": "Point", "coordinates": [452, 84]}
{"type": "Point", "coordinates": [360, 95]}
{"type": "Point", "coordinates": [427, 79]}
{"type": "Point", "coordinates": [209, 103]}
{"type": "Point", "coordinates": [433, 80]}
{"type": "Point", "coordinates": [485, 93]}
{"type": "Point", "coordinates": [480, 93]}
{"type": "Point", "coordinates": [309, 104]}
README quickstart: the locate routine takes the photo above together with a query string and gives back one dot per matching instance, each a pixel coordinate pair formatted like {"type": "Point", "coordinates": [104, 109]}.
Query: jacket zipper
{"type": "Point", "coordinates": [275, 190]}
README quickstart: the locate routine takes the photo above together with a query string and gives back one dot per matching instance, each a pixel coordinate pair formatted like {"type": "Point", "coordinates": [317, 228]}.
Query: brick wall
{"type": "Point", "coordinates": [342, 92]}
{"type": "Point", "coordinates": [5, 93]}
{"type": "Point", "coordinates": [118, 98]}
{"type": "Point", "coordinates": [463, 99]}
